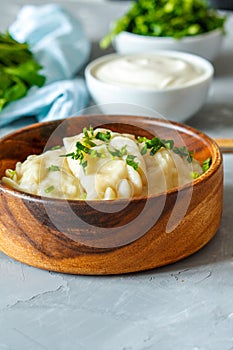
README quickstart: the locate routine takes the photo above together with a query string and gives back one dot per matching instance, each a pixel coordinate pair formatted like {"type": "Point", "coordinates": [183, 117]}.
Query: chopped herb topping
{"type": "Point", "coordinates": [84, 196]}
{"type": "Point", "coordinates": [55, 147]}
{"type": "Point", "coordinates": [130, 161]}
{"type": "Point", "coordinates": [103, 136]}
{"type": "Point", "coordinates": [155, 144]}
{"type": "Point", "coordinates": [206, 164]}
{"type": "Point", "coordinates": [94, 154]}
{"type": "Point", "coordinates": [194, 175]}
{"type": "Point", "coordinates": [88, 137]}
{"type": "Point", "coordinates": [183, 152]}
{"type": "Point", "coordinates": [89, 134]}
{"type": "Point", "coordinates": [54, 168]}
{"type": "Point", "coordinates": [118, 153]}
{"type": "Point", "coordinates": [79, 154]}
{"type": "Point", "coordinates": [86, 148]}
{"type": "Point", "coordinates": [10, 173]}
{"type": "Point", "coordinates": [49, 189]}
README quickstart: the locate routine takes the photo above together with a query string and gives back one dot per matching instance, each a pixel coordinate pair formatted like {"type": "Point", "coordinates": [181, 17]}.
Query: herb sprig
{"type": "Point", "coordinates": [19, 70]}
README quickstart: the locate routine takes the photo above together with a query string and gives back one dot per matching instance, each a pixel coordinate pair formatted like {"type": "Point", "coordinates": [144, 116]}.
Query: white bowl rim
{"type": "Point", "coordinates": [168, 39]}
{"type": "Point", "coordinates": [201, 62]}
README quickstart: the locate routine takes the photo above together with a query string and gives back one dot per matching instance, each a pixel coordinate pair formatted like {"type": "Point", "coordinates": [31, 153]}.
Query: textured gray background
{"type": "Point", "coordinates": [187, 305]}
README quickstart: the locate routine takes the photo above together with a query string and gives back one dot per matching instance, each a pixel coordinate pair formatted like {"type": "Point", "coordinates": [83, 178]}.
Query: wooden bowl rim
{"type": "Point", "coordinates": [216, 160]}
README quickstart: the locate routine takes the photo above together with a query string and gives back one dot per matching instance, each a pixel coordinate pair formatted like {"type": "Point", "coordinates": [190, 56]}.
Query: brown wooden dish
{"type": "Point", "coordinates": [109, 237]}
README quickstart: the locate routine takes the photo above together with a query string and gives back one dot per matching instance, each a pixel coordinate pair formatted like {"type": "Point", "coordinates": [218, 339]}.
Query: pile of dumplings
{"type": "Point", "coordinates": [106, 174]}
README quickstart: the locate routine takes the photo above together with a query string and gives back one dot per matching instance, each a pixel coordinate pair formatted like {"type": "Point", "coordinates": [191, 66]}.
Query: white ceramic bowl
{"type": "Point", "coordinates": [206, 45]}
{"type": "Point", "coordinates": [174, 103]}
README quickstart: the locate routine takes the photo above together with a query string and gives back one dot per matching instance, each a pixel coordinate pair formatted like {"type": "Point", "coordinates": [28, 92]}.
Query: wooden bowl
{"type": "Point", "coordinates": [109, 237]}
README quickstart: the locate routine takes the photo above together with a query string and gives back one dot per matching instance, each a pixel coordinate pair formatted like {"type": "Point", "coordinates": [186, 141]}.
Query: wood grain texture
{"type": "Point", "coordinates": [225, 145]}
{"type": "Point", "coordinates": [108, 237]}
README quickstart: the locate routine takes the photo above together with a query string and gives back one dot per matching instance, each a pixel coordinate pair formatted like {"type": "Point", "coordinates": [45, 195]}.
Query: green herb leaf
{"type": "Point", "coordinates": [49, 189]}
{"type": "Point", "coordinates": [130, 161]}
{"type": "Point", "coordinates": [144, 150]}
{"type": "Point", "coordinates": [119, 153]}
{"type": "Point", "coordinates": [194, 175]}
{"type": "Point", "coordinates": [206, 164]}
{"type": "Point", "coordinates": [84, 196]}
{"type": "Point", "coordinates": [54, 168]}
{"type": "Point", "coordinates": [167, 18]}
{"type": "Point", "coordinates": [142, 139]}
{"type": "Point", "coordinates": [183, 152]}
{"type": "Point", "coordinates": [54, 148]}
{"type": "Point", "coordinates": [155, 144]}
{"type": "Point", "coordinates": [10, 173]}
{"type": "Point", "coordinates": [169, 144]}
{"type": "Point", "coordinates": [88, 137]}
{"type": "Point", "coordinates": [103, 136]}
{"type": "Point", "coordinates": [18, 70]}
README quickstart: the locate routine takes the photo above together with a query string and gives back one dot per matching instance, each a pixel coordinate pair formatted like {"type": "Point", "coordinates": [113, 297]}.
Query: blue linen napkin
{"type": "Point", "coordinates": [59, 44]}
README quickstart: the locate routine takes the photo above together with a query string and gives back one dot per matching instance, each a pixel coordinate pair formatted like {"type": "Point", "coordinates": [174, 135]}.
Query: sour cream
{"type": "Point", "coordinates": [148, 71]}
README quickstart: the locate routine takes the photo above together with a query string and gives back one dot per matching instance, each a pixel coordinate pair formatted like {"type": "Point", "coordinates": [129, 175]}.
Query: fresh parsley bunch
{"type": "Point", "coordinates": [167, 18]}
{"type": "Point", "coordinates": [18, 70]}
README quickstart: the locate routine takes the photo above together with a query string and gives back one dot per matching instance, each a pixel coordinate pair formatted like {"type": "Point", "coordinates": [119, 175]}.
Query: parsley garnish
{"type": "Point", "coordinates": [206, 164]}
{"type": "Point", "coordinates": [79, 154]}
{"type": "Point", "coordinates": [84, 195]}
{"type": "Point", "coordinates": [155, 144]}
{"type": "Point", "coordinates": [88, 137]}
{"type": "Point", "coordinates": [11, 173]}
{"type": "Point", "coordinates": [85, 148]}
{"type": "Point", "coordinates": [183, 152]}
{"type": "Point", "coordinates": [163, 18]}
{"type": "Point", "coordinates": [194, 175]}
{"type": "Point", "coordinates": [119, 153]}
{"type": "Point", "coordinates": [103, 136]}
{"type": "Point", "coordinates": [130, 161]}
{"type": "Point", "coordinates": [55, 147]}
{"type": "Point", "coordinates": [54, 168]}
{"type": "Point", "coordinates": [49, 189]}
{"type": "Point", "coordinates": [94, 153]}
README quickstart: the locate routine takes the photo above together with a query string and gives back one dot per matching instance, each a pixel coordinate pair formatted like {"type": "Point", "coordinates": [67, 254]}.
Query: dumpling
{"type": "Point", "coordinates": [167, 169]}
{"type": "Point", "coordinates": [46, 174]}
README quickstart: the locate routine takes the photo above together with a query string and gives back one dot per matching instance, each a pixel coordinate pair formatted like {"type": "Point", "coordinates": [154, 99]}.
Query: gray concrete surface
{"type": "Point", "coordinates": [184, 306]}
